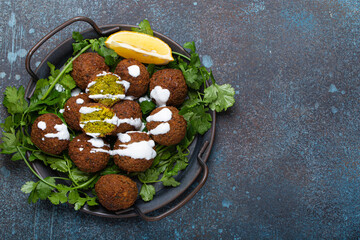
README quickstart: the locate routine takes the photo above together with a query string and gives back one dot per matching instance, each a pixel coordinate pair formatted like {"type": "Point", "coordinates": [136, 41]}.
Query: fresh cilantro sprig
{"type": "Point", "coordinates": [46, 188]}
{"type": "Point", "coordinates": [167, 164]}
{"type": "Point", "coordinates": [217, 97]}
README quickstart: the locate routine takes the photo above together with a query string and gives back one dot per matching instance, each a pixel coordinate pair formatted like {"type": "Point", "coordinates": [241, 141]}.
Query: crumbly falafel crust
{"type": "Point", "coordinates": [116, 192]}
{"type": "Point", "coordinates": [82, 154]}
{"type": "Point", "coordinates": [130, 164]}
{"type": "Point", "coordinates": [71, 110]}
{"type": "Point", "coordinates": [177, 128]}
{"type": "Point", "coordinates": [138, 85]}
{"type": "Point", "coordinates": [85, 66]}
{"type": "Point", "coordinates": [48, 145]}
{"type": "Point", "coordinates": [174, 81]}
{"type": "Point", "coordinates": [126, 109]}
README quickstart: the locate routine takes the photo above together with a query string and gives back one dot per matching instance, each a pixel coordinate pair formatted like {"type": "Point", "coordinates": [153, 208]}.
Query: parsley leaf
{"type": "Point", "coordinates": [79, 176]}
{"type": "Point", "coordinates": [147, 106]}
{"type": "Point", "coordinates": [14, 100]}
{"type": "Point", "coordinates": [78, 201]}
{"type": "Point", "coordinates": [17, 156]}
{"type": "Point", "coordinates": [10, 142]}
{"type": "Point", "coordinates": [58, 164]}
{"type": "Point", "coordinates": [193, 73]}
{"type": "Point", "coordinates": [144, 27]}
{"type": "Point", "coordinates": [219, 97]}
{"type": "Point", "coordinates": [28, 187]}
{"type": "Point", "coordinates": [197, 116]}
{"type": "Point", "coordinates": [44, 190]}
{"type": "Point", "coordinates": [112, 169]}
{"type": "Point", "coordinates": [59, 197]}
{"type": "Point", "coordinates": [170, 181]}
{"type": "Point", "coordinates": [147, 192]}
{"type": "Point", "coordinates": [79, 43]}
{"type": "Point", "coordinates": [150, 175]}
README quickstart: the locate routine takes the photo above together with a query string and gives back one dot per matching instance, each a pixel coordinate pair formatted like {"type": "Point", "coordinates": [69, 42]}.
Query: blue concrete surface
{"type": "Point", "coordinates": [286, 161]}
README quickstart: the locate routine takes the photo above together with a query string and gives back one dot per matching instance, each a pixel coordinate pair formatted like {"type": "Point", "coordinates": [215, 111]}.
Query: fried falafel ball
{"type": "Point", "coordinates": [168, 87]}
{"type": "Point", "coordinates": [71, 110]}
{"type": "Point", "coordinates": [116, 192]}
{"type": "Point", "coordinates": [85, 66]}
{"type": "Point", "coordinates": [107, 88]}
{"type": "Point", "coordinates": [134, 151]}
{"type": "Point", "coordinates": [129, 114]}
{"type": "Point", "coordinates": [166, 126]}
{"type": "Point", "coordinates": [134, 72]}
{"type": "Point", "coordinates": [50, 134]}
{"type": "Point", "coordinates": [97, 120]}
{"type": "Point", "coordinates": [89, 154]}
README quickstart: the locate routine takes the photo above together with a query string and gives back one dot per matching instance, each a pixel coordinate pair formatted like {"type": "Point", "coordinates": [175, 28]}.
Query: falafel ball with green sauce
{"type": "Point", "coordinates": [97, 120]}
{"type": "Point", "coordinates": [107, 88]}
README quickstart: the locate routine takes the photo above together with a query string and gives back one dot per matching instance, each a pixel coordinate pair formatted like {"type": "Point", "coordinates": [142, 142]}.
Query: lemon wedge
{"type": "Point", "coordinates": [140, 46]}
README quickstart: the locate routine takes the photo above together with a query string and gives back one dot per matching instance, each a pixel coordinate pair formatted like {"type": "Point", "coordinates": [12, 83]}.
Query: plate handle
{"type": "Point", "coordinates": [205, 171]}
{"type": "Point", "coordinates": [53, 32]}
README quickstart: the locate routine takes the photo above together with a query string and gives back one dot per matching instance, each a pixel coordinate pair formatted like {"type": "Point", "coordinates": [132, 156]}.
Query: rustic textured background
{"type": "Point", "coordinates": [286, 158]}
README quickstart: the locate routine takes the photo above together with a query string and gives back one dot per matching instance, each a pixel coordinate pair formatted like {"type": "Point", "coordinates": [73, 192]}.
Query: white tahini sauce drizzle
{"type": "Point", "coordinates": [137, 150]}
{"type": "Point", "coordinates": [160, 95]}
{"type": "Point", "coordinates": [114, 120]}
{"type": "Point", "coordinates": [142, 126]}
{"type": "Point", "coordinates": [136, 122]}
{"type": "Point", "coordinates": [42, 125]}
{"type": "Point", "coordinates": [134, 70]}
{"type": "Point", "coordinates": [86, 110]}
{"type": "Point", "coordinates": [89, 85]}
{"type": "Point", "coordinates": [104, 73]}
{"type": "Point", "coordinates": [62, 110]}
{"type": "Point", "coordinates": [129, 98]}
{"type": "Point", "coordinates": [81, 149]}
{"type": "Point", "coordinates": [160, 129]}
{"type": "Point", "coordinates": [75, 92]}
{"type": "Point", "coordinates": [126, 84]}
{"type": "Point", "coordinates": [94, 135]}
{"type": "Point", "coordinates": [107, 96]}
{"type": "Point", "coordinates": [97, 142]}
{"type": "Point", "coordinates": [145, 98]}
{"type": "Point", "coordinates": [124, 137]}
{"type": "Point", "coordinates": [59, 87]}
{"type": "Point", "coordinates": [62, 132]}
{"type": "Point", "coordinates": [79, 101]}
{"type": "Point", "coordinates": [163, 115]}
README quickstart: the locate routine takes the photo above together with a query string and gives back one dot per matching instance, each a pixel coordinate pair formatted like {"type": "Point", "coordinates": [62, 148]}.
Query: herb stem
{"type": "Point", "coordinates": [69, 171]}
{"type": "Point", "coordinates": [30, 149]}
{"type": "Point", "coordinates": [32, 170]}
{"type": "Point", "coordinates": [63, 71]}
{"type": "Point", "coordinates": [87, 182]}
{"type": "Point", "coordinates": [62, 178]}
{"type": "Point", "coordinates": [181, 55]}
